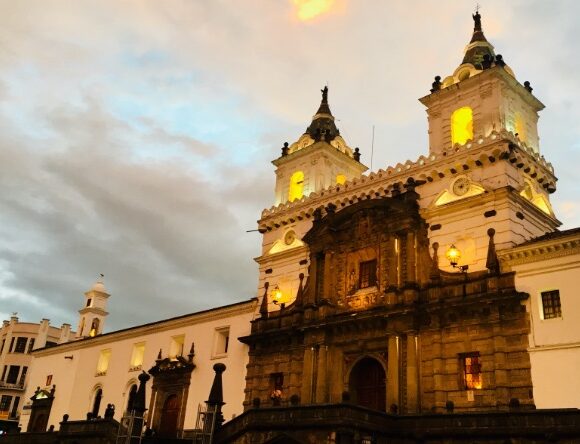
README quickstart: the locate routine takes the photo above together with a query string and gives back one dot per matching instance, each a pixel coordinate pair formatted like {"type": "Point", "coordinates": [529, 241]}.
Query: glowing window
{"type": "Point", "coordinates": [520, 127]}
{"type": "Point", "coordinates": [103, 363]}
{"type": "Point", "coordinates": [471, 363]}
{"type": "Point", "coordinates": [137, 356]}
{"type": "Point", "coordinates": [340, 179]}
{"type": "Point", "coordinates": [296, 186]}
{"type": "Point", "coordinates": [461, 125]}
{"type": "Point", "coordinates": [94, 328]}
{"type": "Point", "coordinates": [176, 348]}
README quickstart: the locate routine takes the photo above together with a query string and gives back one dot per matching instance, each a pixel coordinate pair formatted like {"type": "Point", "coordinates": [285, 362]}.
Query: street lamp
{"type": "Point", "coordinates": [453, 255]}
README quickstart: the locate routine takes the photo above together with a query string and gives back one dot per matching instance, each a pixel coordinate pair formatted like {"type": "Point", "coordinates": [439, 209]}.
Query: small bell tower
{"type": "Point", "coordinates": [480, 97]}
{"type": "Point", "coordinates": [319, 159]}
{"type": "Point", "coordinates": [93, 314]}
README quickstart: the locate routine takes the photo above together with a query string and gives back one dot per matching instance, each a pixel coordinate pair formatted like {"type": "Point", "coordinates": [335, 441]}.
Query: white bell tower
{"type": "Point", "coordinates": [93, 314]}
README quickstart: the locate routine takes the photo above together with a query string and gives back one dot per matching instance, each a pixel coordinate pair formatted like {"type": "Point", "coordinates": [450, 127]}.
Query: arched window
{"type": "Point", "coordinates": [131, 398]}
{"type": "Point", "coordinates": [97, 402]}
{"type": "Point", "coordinates": [461, 125]}
{"type": "Point", "coordinates": [94, 328]}
{"type": "Point", "coordinates": [296, 186]}
{"type": "Point", "coordinates": [520, 126]}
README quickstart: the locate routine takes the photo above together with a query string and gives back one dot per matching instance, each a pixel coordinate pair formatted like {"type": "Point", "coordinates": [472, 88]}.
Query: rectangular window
{"type": "Point", "coordinates": [176, 348]}
{"type": "Point", "coordinates": [103, 363]}
{"type": "Point", "coordinates": [13, 372]}
{"type": "Point", "coordinates": [137, 356]}
{"type": "Point", "coordinates": [3, 344]}
{"type": "Point", "coordinates": [48, 380]}
{"type": "Point", "coordinates": [23, 376]}
{"type": "Point", "coordinates": [14, 412]}
{"type": "Point", "coordinates": [5, 406]}
{"type": "Point", "coordinates": [4, 373]}
{"type": "Point", "coordinates": [551, 304]}
{"type": "Point", "coordinates": [89, 300]}
{"type": "Point", "coordinates": [221, 341]}
{"type": "Point", "coordinates": [368, 274]}
{"type": "Point", "coordinates": [471, 363]}
{"type": "Point", "coordinates": [30, 345]}
{"type": "Point", "coordinates": [20, 345]}
{"type": "Point", "coordinates": [11, 344]}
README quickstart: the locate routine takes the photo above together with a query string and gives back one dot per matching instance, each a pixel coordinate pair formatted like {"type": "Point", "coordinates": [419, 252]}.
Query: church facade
{"type": "Point", "coordinates": [386, 289]}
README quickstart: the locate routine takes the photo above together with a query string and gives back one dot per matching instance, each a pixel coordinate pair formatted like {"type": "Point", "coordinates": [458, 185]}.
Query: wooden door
{"type": "Point", "coordinates": [169, 417]}
{"type": "Point", "coordinates": [368, 384]}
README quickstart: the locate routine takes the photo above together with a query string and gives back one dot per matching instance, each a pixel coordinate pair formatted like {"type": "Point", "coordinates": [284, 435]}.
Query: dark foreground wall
{"type": "Point", "coordinates": [348, 424]}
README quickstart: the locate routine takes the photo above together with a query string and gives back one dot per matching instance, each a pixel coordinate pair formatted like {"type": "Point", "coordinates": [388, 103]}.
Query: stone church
{"type": "Point", "coordinates": [386, 291]}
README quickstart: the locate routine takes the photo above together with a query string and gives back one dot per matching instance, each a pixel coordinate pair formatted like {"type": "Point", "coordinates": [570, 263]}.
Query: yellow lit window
{"type": "Point", "coordinates": [340, 179]}
{"type": "Point", "coordinates": [176, 348]}
{"type": "Point", "coordinates": [296, 186]}
{"type": "Point", "coordinates": [461, 125]}
{"type": "Point", "coordinates": [472, 371]}
{"type": "Point", "coordinates": [103, 363]}
{"type": "Point", "coordinates": [137, 356]}
{"type": "Point", "coordinates": [520, 127]}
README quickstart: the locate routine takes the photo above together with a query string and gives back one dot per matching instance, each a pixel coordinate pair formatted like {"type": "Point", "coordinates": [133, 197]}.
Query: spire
{"type": "Point", "coordinates": [478, 47]}
{"type": "Point", "coordinates": [322, 126]}
{"type": "Point", "coordinates": [492, 262]}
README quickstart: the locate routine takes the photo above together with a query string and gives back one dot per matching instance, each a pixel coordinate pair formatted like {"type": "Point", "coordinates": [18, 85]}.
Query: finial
{"type": "Point", "coordinates": [324, 94]}
{"type": "Point", "coordinates": [264, 305]}
{"type": "Point", "coordinates": [159, 355]}
{"type": "Point", "coordinates": [492, 262]}
{"type": "Point", "coordinates": [436, 85]}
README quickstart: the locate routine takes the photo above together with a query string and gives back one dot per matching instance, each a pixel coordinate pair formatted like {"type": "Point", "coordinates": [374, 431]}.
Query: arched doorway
{"type": "Point", "coordinates": [169, 416]}
{"type": "Point", "coordinates": [367, 384]}
{"type": "Point", "coordinates": [131, 398]}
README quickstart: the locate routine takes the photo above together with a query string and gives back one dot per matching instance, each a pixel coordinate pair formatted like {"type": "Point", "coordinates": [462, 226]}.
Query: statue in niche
{"type": "Point", "coordinates": [352, 281]}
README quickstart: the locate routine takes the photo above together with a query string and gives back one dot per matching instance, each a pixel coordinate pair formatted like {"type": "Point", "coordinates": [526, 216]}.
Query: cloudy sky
{"type": "Point", "coordinates": [136, 136]}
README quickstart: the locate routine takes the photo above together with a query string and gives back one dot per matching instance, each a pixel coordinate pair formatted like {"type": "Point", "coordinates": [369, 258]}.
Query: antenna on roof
{"type": "Point", "coordinates": [372, 147]}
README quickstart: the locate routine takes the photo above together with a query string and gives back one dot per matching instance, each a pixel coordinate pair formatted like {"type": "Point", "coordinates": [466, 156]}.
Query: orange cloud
{"type": "Point", "coordinates": [309, 9]}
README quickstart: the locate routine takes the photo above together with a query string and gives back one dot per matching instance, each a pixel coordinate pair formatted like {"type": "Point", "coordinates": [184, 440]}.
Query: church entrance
{"type": "Point", "coordinates": [367, 384]}
{"type": "Point", "coordinates": [169, 416]}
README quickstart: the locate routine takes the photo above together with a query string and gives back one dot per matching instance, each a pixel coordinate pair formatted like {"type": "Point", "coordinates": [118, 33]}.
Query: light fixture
{"type": "Point", "coordinates": [453, 255]}
{"type": "Point", "coordinates": [276, 295]}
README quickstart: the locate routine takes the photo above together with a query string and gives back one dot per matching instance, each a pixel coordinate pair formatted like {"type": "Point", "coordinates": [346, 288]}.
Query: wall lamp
{"type": "Point", "coordinates": [453, 255]}
{"type": "Point", "coordinates": [277, 296]}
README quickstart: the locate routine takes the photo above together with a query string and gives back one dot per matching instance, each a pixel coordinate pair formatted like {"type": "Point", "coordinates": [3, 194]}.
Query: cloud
{"type": "Point", "coordinates": [136, 137]}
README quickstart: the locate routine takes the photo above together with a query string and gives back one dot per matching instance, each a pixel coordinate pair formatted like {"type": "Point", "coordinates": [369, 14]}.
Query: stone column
{"type": "Point", "coordinates": [393, 372]}
{"type": "Point", "coordinates": [322, 375]}
{"type": "Point", "coordinates": [410, 244]}
{"type": "Point", "coordinates": [308, 375]}
{"type": "Point", "coordinates": [412, 374]}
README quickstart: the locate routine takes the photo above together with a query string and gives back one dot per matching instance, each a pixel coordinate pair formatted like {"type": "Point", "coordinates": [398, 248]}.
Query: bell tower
{"type": "Point", "coordinates": [93, 314]}
{"type": "Point", "coordinates": [319, 159]}
{"type": "Point", "coordinates": [483, 130]}
{"type": "Point", "coordinates": [481, 96]}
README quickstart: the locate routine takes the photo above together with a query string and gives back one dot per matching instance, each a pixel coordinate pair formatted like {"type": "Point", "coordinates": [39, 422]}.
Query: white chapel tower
{"type": "Point", "coordinates": [93, 314]}
{"type": "Point", "coordinates": [319, 159]}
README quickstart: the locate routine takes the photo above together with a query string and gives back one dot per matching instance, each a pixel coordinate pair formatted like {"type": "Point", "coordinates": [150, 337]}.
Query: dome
{"type": "Point", "coordinates": [99, 286]}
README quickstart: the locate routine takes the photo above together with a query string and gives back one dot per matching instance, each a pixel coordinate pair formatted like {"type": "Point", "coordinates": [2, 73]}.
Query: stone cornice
{"type": "Point", "coordinates": [474, 154]}
{"type": "Point", "coordinates": [542, 250]}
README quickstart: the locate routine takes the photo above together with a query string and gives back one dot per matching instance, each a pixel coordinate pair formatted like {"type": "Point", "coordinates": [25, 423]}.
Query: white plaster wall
{"type": "Point", "coordinates": [554, 343]}
{"type": "Point", "coordinates": [76, 379]}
